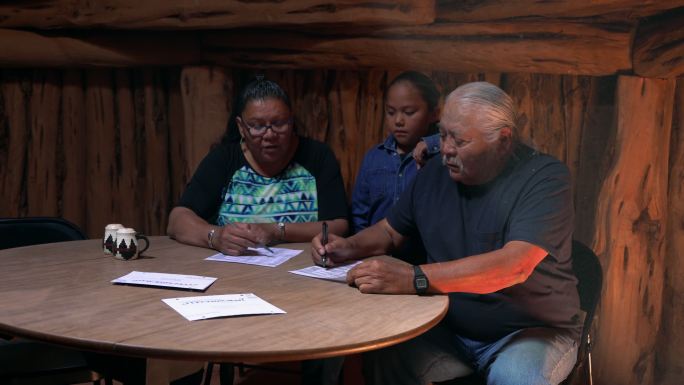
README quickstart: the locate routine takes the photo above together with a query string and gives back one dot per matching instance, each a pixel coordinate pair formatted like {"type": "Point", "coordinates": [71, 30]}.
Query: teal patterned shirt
{"type": "Point", "coordinates": [290, 197]}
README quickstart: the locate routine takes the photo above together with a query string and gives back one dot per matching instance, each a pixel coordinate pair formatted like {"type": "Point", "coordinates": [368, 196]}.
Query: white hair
{"type": "Point", "coordinates": [493, 104]}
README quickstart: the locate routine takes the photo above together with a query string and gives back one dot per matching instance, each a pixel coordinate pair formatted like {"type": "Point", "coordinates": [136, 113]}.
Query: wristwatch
{"type": "Point", "coordinates": [420, 281]}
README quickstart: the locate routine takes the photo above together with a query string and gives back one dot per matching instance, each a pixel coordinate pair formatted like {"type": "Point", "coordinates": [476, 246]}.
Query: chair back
{"type": "Point", "coordinates": [17, 232]}
{"type": "Point", "coordinates": [587, 269]}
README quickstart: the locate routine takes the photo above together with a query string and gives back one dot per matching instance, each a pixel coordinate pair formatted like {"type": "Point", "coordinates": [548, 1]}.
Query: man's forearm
{"type": "Point", "coordinates": [485, 273]}
{"type": "Point", "coordinates": [378, 239]}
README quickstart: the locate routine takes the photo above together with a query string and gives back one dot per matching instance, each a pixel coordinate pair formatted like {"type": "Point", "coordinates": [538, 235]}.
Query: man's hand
{"type": "Point", "coordinates": [420, 153]}
{"type": "Point", "coordinates": [382, 277]}
{"type": "Point", "coordinates": [337, 251]}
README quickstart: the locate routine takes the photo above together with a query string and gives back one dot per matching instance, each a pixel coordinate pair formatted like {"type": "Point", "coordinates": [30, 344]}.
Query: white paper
{"type": "Point", "coordinates": [191, 282]}
{"type": "Point", "coordinates": [332, 273]}
{"type": "Point", "coordinates": [259, 256]}
{"type": "Point", "coordinates": [213, 306]}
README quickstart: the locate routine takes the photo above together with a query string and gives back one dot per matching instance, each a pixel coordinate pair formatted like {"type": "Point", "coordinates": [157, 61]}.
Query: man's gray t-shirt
{"type": "Point", "coordinates": [531, 201]}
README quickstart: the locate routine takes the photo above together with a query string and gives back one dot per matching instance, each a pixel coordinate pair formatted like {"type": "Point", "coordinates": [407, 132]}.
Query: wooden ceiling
{"type": "Point", "coordinates": [589, 37]}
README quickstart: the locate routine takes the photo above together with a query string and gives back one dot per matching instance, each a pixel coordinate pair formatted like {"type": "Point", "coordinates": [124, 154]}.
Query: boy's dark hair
{"type": "Point", "coordinates": [423, 84]}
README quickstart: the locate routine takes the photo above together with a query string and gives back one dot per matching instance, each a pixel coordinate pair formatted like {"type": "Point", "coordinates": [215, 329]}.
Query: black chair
{"type": "Point", "coordinates": [587, 269]}
{"type": "Point", "coordinates": [17, 232]}
{"type": "Point", "coordinates": [589, 273]}
{"type": "Point", "coordinates": [29, 362]}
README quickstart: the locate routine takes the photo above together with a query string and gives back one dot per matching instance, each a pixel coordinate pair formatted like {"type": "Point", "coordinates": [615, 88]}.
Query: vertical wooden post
{"type": "Point", "coordinates": [178, 170]}
{"type": "Point", "coordinates": [630, 233]}
{"type": "Point", "coordinates": [355, 119]}
{"type": "Point", "coordinates": [127, 196]}
{"type": "Point", "coordinates": [670, 350]}
{"type": "Point", "coordinates": [74, 133]}
{"type": "Point", "coordinates": [156, 153]}
{"type": "Point", "coordinates": [101, 153]}
{"type": "Point", "coordinates": [207, 96]}
{"type": "Point", "coordinates": [44, 142]}
{"type": "Point", "coordinates": [14, 133]}
{"type": "Point", "coordinates": [539, 99]}
{"type": "Point", "coordinates": [589, 121]}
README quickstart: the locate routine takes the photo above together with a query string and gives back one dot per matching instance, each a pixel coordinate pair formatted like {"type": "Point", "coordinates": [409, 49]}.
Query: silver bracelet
{"type": "Point", "coordinates": [281, 227]}
{"type": "Point", "coordinates": [210, 238]}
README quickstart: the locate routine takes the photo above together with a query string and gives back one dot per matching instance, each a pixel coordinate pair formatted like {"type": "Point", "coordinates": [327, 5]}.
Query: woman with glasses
{"type": "Point", "coordinates": [267, 185]}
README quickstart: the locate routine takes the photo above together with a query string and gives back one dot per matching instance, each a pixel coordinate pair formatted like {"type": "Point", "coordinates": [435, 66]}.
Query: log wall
{"type": "Point", "coordinates": [118, 145]}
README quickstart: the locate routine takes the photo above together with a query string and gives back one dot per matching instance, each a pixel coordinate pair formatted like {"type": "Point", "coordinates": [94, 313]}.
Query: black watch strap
{"type": "Point", "coordinates": [420, 281]}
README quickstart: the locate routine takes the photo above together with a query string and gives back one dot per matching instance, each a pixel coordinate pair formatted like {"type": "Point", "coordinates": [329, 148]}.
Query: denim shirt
{"type": "Point", "coordinates": [382, 178]}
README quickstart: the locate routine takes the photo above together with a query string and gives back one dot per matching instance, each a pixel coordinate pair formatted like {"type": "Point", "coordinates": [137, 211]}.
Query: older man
{"type": "Point", "coordinates": [496, 218]}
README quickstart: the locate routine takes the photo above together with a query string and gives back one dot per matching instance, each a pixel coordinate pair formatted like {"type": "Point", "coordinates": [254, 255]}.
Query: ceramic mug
{"type": "Point", "coordinates": [109, 237]}
{"type": "Point", "coordinates": [126, 244]}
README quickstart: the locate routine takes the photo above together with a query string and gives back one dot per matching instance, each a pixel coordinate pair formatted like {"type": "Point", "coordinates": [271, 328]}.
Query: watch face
{"type": "Point", "coordinates": [421, 283]}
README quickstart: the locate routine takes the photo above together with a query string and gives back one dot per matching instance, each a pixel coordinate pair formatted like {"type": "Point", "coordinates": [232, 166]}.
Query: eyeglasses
{"type": "Point", "coordinates": [279, 127]}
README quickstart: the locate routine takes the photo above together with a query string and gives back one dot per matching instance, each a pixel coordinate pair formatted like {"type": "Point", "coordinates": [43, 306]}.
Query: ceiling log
{"type": "Point", "coordinates": [101, 49]}
{"type": "Point", "coordinates": [212, 14]}
{"type": "Point", "coordinates": [659, 46]}
{"type": "Point", "coordinates": [539, 47]}
{"type": "Point", "coordinates": [489, 10]}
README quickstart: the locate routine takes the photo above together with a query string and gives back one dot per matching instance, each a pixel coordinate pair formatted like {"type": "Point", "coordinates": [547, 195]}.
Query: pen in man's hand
{"type": "Point", "coordinates": [324, 241]}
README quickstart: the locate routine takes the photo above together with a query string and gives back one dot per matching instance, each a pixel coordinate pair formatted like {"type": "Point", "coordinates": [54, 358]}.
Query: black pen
{"type": "Point", "coordinates": [324, 241]}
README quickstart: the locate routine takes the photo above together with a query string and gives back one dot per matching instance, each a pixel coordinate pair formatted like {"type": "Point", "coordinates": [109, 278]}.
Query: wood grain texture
{"type": "Point", "coordinates": [96, 49]}
{"type": "Point", "coordinates": [630, 232]}
{"type": "Point", "coordinates": [102, 168]}
{"type": "Point", "coordinates": [468, 11]}
{"type": "Point", "coordinates": [213, 14]}
{"type": "Point", "coordinates": [542, 124]}
{"type": "Point", "coordinates": [590, 120]}
{"type": "Point", "coordinates": [207, 94]}
{"type": "Point", "coordinates": [670, 347]}
{"type": "Point", "coordinates": [156, 157]}
{"type": "Point", "coordinates": [44, 144]}
{"type": "Point", "coordinates": [659, 46]}
{"type": "Point", "coordinates": [344, 109]}
{"type": "Point", "coordinates": [558, 47]}
{"type": "Point", "coordinates": [68, 286]}
{"type": "Point", "coordinates": [74, 139]}
{"type": "Point", "coordinates": [129, 153]}
{"type": "Point", "coordinates": [178, 163]}
{"type": "Point", "coordinates": [14, 136]}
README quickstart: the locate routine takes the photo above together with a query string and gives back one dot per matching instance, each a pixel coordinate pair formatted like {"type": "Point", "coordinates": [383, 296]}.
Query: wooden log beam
{"type": "Point", "coordinates": [659, 46]}
{"type": "Point", "coordinates": [631, 220]}
{"type": "Point", "coordinates": [670, 348]}
{"type": "Point", "coordinates": [526, 47]}
{"type": "Point", "coordinates": [534, 46]}
{"type": "Point", "coordinates": [207, 94]}
{"type": "Point", "coordinates": [488, 10]}
{"type": "Point", "coordinates": [101, 49]}
{"type": "Point", "coordinates": [213, 14]}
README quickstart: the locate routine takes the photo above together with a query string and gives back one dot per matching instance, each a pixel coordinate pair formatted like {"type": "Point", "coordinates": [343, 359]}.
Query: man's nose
{"type": "Point", "coordinates": [448, 148]}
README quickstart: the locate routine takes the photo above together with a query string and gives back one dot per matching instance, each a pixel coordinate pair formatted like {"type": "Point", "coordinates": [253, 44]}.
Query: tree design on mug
{"type": "Point", "coordinates": [126, 252]}
{"type": "Point", "coordinates": [109, 243]}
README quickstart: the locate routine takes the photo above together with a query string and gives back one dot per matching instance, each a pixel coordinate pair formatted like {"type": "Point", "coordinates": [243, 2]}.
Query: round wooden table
{"type": "Point", "coordinates": [62, 293]}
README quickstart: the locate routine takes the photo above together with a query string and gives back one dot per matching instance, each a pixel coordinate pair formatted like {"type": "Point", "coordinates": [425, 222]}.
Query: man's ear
{"type": "Point", "coordinates": [505, 134]}
{"type": "Point", "coordinates": [505, 138]}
